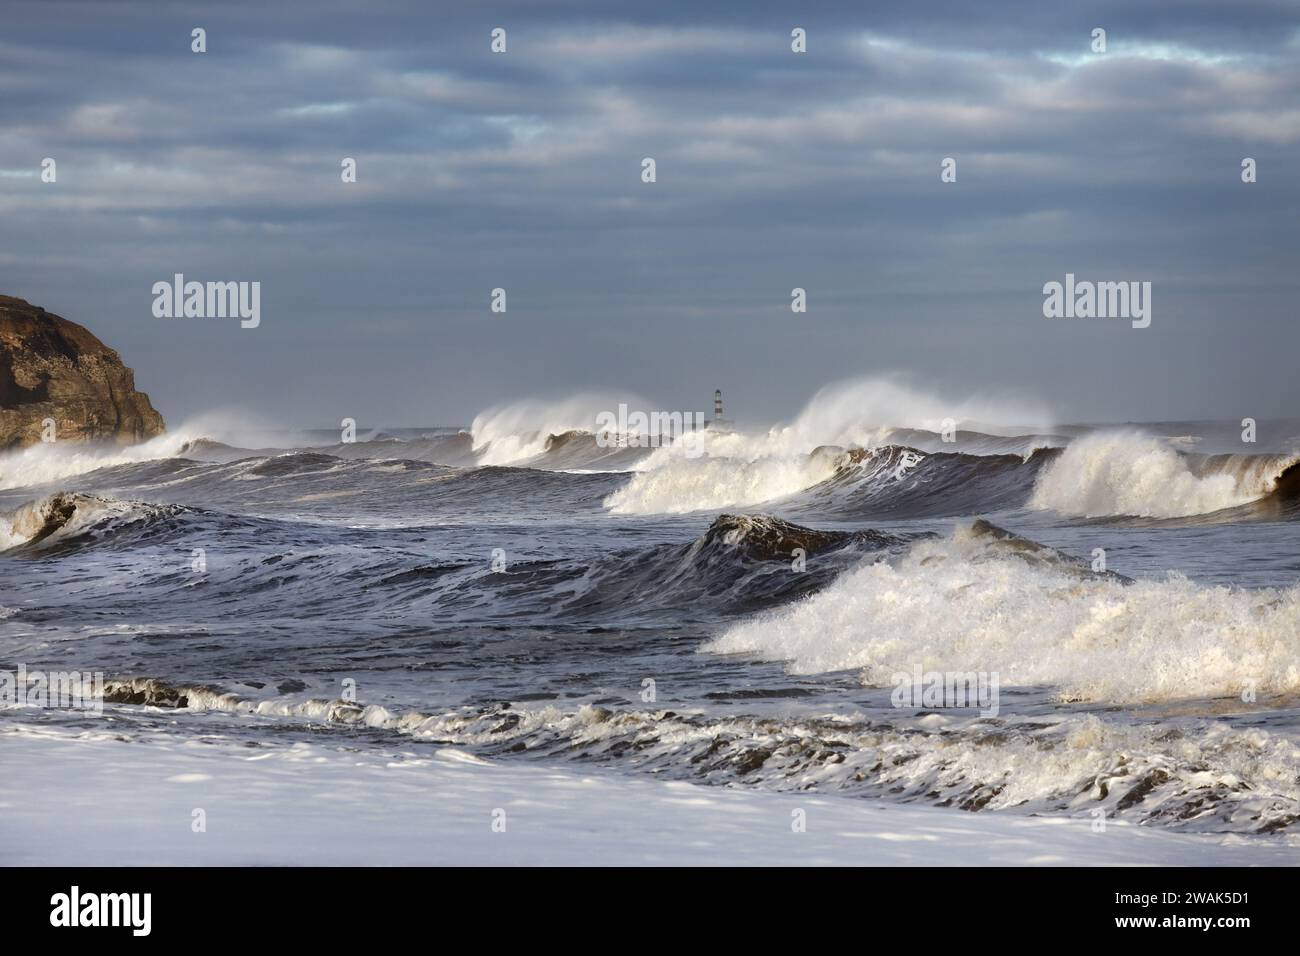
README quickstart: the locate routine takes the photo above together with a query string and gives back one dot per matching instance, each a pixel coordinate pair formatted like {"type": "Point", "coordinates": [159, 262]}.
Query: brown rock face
{"type": "Point", "coordinates": [53, 368]}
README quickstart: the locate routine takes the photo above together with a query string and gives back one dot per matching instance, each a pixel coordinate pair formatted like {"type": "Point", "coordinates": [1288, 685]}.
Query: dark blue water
{"type": "Point", "coordinates": [378, 594]}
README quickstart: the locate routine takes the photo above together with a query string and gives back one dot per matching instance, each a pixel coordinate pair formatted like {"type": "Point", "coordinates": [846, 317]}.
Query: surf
{"type": "Point", "coordinates": [1130, 473]}
{"type": "Point", "coordinates": [979, 601]}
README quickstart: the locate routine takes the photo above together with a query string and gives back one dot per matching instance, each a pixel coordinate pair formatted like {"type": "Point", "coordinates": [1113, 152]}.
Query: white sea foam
{"type": "Point", "coordinates": [69, 514]}
{"type": "Point", "coordinates": [739, 469]}
{"type": "Point", "coordinates": [670, 482]}
{"type": "Point", "coordinates": [517, 432]}
{"type": "Point", "coordinates": [45, 463]}
{"type": "Point", "coordinates": [1128, 473]}
{"type": "Point", "coordinates": [1200, 775]}
{"type": "Point", "coordinates": [570, 815]}
{"type": "Point", "coordinates": [958, 604]}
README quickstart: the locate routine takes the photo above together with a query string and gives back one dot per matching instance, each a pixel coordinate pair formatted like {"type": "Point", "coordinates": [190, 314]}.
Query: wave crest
{"type": "Point", "coordinates": [64, 516]}
{"type": "Point", "coordinates": [973, 603]}
{"type": "Point", "coordinates": [1202, 776]}
{"type": "Point", "coordinates": [522, 431]}
{"type": "Point", "coordinates": [1128, 473]}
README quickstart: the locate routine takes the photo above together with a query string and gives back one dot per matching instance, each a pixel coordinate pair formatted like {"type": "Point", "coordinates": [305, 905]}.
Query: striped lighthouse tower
{"type": "Point", "coordinates": [718, 423]}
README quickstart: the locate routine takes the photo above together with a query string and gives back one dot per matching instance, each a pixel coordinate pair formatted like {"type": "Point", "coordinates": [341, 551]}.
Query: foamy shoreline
{"type": "Point", "coordinates": [96, 800]}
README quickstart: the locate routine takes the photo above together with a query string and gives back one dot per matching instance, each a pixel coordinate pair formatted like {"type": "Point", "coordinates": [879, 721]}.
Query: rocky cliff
{"type": "Point", "coordinates": [53, 368]}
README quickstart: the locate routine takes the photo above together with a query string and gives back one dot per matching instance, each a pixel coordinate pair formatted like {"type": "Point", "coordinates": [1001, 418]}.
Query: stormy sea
{"type": "Point", "coordinates": [523, 591]}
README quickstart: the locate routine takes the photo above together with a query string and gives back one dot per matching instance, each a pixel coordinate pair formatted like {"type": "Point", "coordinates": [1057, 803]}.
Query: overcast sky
{"type": "Point", "coordinates": [775, 170]}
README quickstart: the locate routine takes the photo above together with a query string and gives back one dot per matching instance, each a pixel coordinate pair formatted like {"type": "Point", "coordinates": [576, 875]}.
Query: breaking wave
{"type": "Point", "coordinates": [973, 602]}
{"type": "Point", "coordinates": [1200, 775]}
{"type": "Point", "coordinates": [1105, 475]}
{"type": "Point", "coordinates": [46, 463]}
{"type": "Point", "coordinates": [734, 469]}
{"type": "Point", "coordinates": [1126, 473]}
{"type": "Point", "coordinates": [669, 482]}
{"type": "Point", "coordinates": [900, 482]}
{"type": "Point", "coordinates": [64, 517]}
{"type": "Point", "coordinates": [522, 432]}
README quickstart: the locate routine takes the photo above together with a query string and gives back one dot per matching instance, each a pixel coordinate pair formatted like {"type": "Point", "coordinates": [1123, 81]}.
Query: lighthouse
{"type": "Point", "coordinates": [718, 423]}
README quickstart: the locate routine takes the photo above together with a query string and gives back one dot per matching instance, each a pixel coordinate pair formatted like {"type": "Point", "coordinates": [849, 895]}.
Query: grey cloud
{"type": "Point", "coordinates": [775, 170]}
